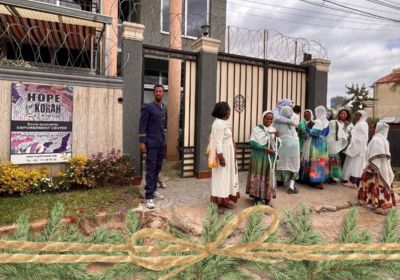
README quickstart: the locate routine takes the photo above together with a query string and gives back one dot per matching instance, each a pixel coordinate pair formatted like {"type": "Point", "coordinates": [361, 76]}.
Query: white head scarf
{"type": "Point", "coordinates": [284, 102]}
{"type": "Point", "coordinates": [364, 116]}
{"type": "Point", "coordinates": [263, 134]}
{"type": "Point", "coordinates": [378, 153]}
{"type": "Point", "coordinates": [321, 122]}
{"type": "Point", "coordinates": [382, 129]}
{"type": "Point", "coordinates": [311, 113]}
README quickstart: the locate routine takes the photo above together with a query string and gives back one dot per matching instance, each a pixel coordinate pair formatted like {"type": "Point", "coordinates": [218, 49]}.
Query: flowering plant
{"type": "Point", "coordinates": [17, 180]}
{"type": "Point", "coordinates": [46, 184]}
{"type": "Point", "coordinates": [77, 174]}
{"type": "Point", "coordinates": [110, 168]}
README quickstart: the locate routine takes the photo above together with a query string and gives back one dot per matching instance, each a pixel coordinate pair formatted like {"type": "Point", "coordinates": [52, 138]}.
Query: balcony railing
{"type": "Point", "coordinates": [83, 5]}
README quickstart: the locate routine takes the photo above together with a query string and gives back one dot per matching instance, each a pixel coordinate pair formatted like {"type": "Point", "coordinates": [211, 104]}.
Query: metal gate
{"type": "Point", "coordinates": [189, 122]}
{"type": "Point", "coordinates": [251, 86]}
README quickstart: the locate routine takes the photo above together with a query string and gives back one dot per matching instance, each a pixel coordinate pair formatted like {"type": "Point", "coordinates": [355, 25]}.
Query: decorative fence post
{"type": "Point", "coordinates": [206, 85]}
{"type": "Point", "coordinates": [317, 82]}
{"type": "Point", "coordinates": [132, 72]}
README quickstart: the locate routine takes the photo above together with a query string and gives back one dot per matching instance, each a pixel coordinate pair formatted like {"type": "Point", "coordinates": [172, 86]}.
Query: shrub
{"type": "Point", "coordinates": [112, 168]}
{"type": "Point", "coordinates": [17, 180]}
{"type": "Point", "coordinates": [76, 174]}
{"type": "Point", "coordinates": [46, 184]}
{"type": "Point", "coordinates": [372, 120]}
{"type": "Point", "coordinates": [396, 171]}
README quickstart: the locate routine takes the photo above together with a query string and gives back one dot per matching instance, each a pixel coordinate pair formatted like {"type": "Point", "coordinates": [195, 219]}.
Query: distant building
{"type": "Point", "coordinates": [337, 102]}
{"type": "Point", "coordinates": [387, 96]}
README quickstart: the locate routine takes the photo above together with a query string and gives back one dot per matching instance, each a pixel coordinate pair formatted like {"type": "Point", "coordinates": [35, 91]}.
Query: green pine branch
{"type": "Point", "coordinates": [54, 227]}
{"type": "Point", "coordinates": [350, 232]}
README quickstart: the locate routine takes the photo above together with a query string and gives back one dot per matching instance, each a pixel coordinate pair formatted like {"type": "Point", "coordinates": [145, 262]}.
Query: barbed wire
{"type": "Point", "coordinates": [47, 49]}
{"type": "Point", "coordinates": [271, 45]}
{"type": "Point", "coordinates": [72, 48]}
{"type": "Point", "coordinates": [260, 43]}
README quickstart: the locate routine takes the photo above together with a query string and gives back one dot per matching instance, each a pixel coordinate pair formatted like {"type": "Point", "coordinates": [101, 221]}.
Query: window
{"type": "Point", "coordinates": [194, 15]}
{"type": "Point", "coordinates": [84, 5]}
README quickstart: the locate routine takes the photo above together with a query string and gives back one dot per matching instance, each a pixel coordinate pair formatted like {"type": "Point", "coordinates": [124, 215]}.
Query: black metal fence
{"type": "Point", "coordinates": [394, 136]}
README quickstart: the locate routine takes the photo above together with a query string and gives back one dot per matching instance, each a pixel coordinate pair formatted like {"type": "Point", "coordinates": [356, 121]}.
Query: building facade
{"type": "Point", "coordinates": [387, 96]}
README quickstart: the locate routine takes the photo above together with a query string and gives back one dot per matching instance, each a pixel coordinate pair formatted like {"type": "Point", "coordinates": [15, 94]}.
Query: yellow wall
{"type": "Point", "coordinates": [388, 100]}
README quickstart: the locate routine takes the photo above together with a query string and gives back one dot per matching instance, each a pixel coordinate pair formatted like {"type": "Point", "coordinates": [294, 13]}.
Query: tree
{"type": "Point", "coordinates": [358, 97]}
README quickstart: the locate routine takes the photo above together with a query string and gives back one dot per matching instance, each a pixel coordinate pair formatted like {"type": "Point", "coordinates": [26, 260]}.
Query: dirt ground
{"type": "Point", "coordinates": [187, 200]}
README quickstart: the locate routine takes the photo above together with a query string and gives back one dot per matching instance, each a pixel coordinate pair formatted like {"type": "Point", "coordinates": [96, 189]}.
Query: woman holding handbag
{"type": "Point", "coordinates": [224, 181]}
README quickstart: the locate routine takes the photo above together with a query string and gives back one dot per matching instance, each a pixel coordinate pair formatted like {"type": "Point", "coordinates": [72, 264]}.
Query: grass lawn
{"type": "Point", "coordinates": [85, 203]}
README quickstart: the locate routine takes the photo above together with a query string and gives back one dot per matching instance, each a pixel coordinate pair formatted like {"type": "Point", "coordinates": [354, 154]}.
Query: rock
{"type": "Point", "coordinates": [187, 218]}
{"type": "Point", "coordinates": [318, 209]}
{"type": "Point", "coordinates": [330, 208]}
{"type": "Point", "coordinates": [353, 203]}
{"type": "Point", "coordinates": [101, 218]}
{"type": "Point", "coordinates": [343, 206]}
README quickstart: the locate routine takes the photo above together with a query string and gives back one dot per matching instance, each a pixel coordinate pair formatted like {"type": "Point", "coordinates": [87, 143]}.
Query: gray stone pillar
{"type": "Point", "coordinates": [206, 85]}
{"type": "Point", "coordinates": [317, 82]}
{"type": "Point", "coordinates": [132, 72]}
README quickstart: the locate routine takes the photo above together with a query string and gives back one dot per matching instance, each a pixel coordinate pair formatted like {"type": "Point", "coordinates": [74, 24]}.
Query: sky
{"type": "Point", "coordinates": [361, 49]}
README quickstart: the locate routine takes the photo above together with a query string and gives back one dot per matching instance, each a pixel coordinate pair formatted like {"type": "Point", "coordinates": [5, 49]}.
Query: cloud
{"type": "Point", "coordinates": [361, 50]}
{"type": "Point", "coordinates": [393, 43]}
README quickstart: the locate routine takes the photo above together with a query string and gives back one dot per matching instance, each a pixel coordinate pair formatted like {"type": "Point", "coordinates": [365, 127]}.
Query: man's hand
{"type": "Point", "coordinates": [221, 159]}
{"type": "Point", "coordinates": [142, 148]}
{"type": "Point", "coordinates": [277, 133]}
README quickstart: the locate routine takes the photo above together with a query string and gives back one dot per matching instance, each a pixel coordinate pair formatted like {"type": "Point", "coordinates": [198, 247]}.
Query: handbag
{"type": "Point", "coordinates": [212, 155]}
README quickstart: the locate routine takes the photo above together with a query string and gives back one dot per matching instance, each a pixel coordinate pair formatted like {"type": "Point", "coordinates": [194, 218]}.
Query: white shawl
{"type": "Point", "coordinates": [289, 151]}
{"type": "Point", "coordinates": [378, 154]}
{"type": "Point", "coordinates": [262, 135]}
{"type": "Point", "coordinates": [337, 137]}
{"type": "Point", "coordinates": [359, 137]}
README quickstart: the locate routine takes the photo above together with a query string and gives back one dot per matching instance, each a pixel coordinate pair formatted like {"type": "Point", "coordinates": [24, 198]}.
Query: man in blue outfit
{"type": "Point", "coordinates": [152, 142]}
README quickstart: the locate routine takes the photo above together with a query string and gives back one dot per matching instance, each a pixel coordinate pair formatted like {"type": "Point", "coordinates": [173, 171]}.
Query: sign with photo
{"type": "Point", "coordinates": [41, 123]}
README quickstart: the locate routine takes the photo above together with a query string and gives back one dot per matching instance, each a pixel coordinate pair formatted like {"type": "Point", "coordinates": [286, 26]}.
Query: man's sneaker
{"type": "Point", "coordinates": [158, 196]}
{"type": "Point", "coordinates": [150, 203]}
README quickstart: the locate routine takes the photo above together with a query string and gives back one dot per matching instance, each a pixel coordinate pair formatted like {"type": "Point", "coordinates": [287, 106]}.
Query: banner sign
{"type": "Point", "coordinates": [41, 123]}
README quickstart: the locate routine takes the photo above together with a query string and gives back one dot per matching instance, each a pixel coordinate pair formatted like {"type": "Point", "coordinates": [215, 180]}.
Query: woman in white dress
{"type": "Point", "coordinates": [288, 165]}
{"type": "Point", "coordinates": [337, 141]}
{"type": "Point", "coordinates": [224, 182]}
{"type": "Point", "coordinates": [356, 151]}
{"type": "Point", "coordinates": [344, 118]}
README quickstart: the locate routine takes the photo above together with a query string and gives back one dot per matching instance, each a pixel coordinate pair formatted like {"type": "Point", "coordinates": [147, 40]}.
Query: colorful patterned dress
{"type": "Point", "coordinates": [374, 192]}
{"type": "Point", "coordinates": [376, 185]}
{"type": "Point", "coordinates": [302, 133]}
{"type": "Point", "coordinates": [337, 142]}
{"type": "Point", "coordinates": [261, 176]}
{"type": "Point", "coordinates": [315, 161]}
